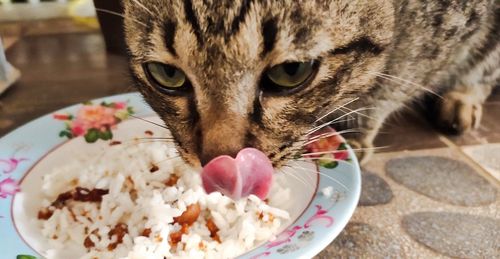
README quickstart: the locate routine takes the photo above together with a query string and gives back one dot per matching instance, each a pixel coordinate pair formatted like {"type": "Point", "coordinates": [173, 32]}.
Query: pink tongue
{"type": "Point", "coordinates": [250, 172]}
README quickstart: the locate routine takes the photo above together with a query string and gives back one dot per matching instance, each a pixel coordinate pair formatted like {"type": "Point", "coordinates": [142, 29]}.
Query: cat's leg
{"type": "Point", "coordinates": [363, 146]}
{"type": "Point", "coordinates": [368, 120]}
{"type": "Point", "coordinates": [461, 107]}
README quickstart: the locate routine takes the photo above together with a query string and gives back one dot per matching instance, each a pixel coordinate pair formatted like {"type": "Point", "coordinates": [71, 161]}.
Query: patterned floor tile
{"type": "Point", "coordinates": [488, 156]}
{"type": "Point", "coordinates": [418, 221]}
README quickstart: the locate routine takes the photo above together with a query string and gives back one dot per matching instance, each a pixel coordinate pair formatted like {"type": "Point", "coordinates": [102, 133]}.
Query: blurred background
{"type": "Point", "coordinates": [59, 48]}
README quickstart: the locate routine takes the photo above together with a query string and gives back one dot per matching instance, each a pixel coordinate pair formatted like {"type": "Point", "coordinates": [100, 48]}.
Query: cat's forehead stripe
{"type": "Point", "coordinates": [269, 30]}
{"type": "Point", "coordinates": [169, 30]}
{"type": "Point", "coordinates": [193, 20]}
{"type": "Point", "coordinates": [244, 9]}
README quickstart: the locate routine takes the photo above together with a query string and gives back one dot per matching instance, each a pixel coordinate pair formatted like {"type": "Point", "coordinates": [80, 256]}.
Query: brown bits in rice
{"type": "Point", "coordinates": [84, 194]}
{"type": "Point", "coordinates": [74, 182]}
{"type": "Point", "coordinates": [119, 230]}
{"type": "Point", "coordinates": [61, 199]}
{"type": "Point", "coordinates": [45, 213]}
{"type": "Point", "coordinates": [176, 237]}
{"type": "Point", "coordinates": [190, 215]}
{"type": "Point", "coordinates": [146, 232]}
{"type": "Point", "coordinates": [114, 143]}
{"type": "Point", "coordinates": [154, 168]}
{"type": "Point", "coordinates": [158, 238]}
{"type": "Point", "coordinates": [172, 180]}
{"type": "Point", "coordinates": [213, 230]}
{"type": "Point", "coordinates": [148, 132]}
{"type": "Point", "coordinates": [129, 182]}
{"type": "Point", "coordinates": [88, 242]}
{"type": "Point", "coordinates": [266, 218]}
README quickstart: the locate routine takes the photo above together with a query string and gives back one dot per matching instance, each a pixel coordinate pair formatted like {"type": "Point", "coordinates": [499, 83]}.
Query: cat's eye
{"type": "Point", "coordinates": [166, 77]}
{"type": "Point", "coordinates": [289, 75]}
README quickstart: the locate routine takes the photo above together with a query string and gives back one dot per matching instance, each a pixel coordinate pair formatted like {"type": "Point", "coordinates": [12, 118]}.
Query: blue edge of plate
{"type": "Point", "coordinates": [303, 242]}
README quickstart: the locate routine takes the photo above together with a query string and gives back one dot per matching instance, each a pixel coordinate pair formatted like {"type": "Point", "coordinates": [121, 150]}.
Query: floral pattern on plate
{"type": "Point", "coordinates": [94, 121]}
{"type": "Point", "coordinates": [8, 187]}
{"type": "Point", "coordinates": [327, 148]}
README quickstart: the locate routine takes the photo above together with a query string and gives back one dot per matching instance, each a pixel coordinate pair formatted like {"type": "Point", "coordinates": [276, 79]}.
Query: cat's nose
{"type": "Point", "coordinates": [221, 133]}
{"type": "Point", "coordinates": [208, 155]}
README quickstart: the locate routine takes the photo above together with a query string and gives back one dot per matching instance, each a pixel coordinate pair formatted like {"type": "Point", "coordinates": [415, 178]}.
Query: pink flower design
{"type": "Point", "coordinates": [11, 164]}
{"type": "Point", "coordinates": [61, 117]}
{"type": "Point", "coordinates": [120, 105]}
{"type": "Point", "coordinates": [341, 155]}
{"type": "Point", "coordinates": [95, 117]}
{"type": "Point", "coordinates": [319, 215]}
{"type": "Point", "coordinates": [77, 129]}
{"type": "Point", "coordinates": [94, 121]}
{"type": "Point", "coordinates": [327, 148]}
{"type": "Point", "coordinates": [8, 187]}
{"type": "Point", "coordinates": [284, 237]}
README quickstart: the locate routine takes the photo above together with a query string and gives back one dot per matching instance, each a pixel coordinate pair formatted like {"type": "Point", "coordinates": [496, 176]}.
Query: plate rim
{"type": "Point", "coordinates": [313, 248]}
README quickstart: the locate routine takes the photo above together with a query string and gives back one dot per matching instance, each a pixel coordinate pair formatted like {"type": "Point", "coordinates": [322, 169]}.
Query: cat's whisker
{"type": "Point", "coordinates": [331, 134]}
{"type": "Point", "coordinates": [156, 138]}
{"type": "Point", "coordinates": [367, 116]}
{"type": "Point", "coordinates": [404, 105]}
{"type": "Point", "coordinates": [336, 109]}
{"type": "Point", "coordinates": [305, 177]}
{"type": "Point", "coordinates": [318, 158]}
{"type": "Point", "coordinates": [165, 160]}
{"type": "Point", "coordinates": [148, 121]}
{"type": "Point", "coordinates": [154, 141]}
{"type": "Point", "coordinates": [314, 129]}
{"type": "Point", "coordinates": [401, 81]}
{"type": "Point", "coordinates": [119, 15]}
{"type": "Point", "coordinates": [325, 175]}
{"type": "Point", "coordinates": [133, 142]}
{"type": "Point", "coordinates": [360, 113]}
{"type": "Point", "coordinates": [294, 176]}
{"type": "Point", "coordinates": [144, 7]}
{"type": "Point", "coordinates": [298, 176]}
{"type": "Point", "coordinates": [340, 151]}
{"type": "Point", "coordinates": [334, 120]}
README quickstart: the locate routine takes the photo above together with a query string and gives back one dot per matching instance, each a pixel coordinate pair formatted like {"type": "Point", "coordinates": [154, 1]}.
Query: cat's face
{"type": "Point", "coordinates": [225, 75]}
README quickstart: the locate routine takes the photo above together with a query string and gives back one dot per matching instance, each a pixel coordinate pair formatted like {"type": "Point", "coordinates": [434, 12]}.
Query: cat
{"type": "Point", "coordinates": [224, 75]}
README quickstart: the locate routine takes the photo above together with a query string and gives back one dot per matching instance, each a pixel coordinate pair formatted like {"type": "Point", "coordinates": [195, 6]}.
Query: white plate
{"type": "Point", "coordinates": [32, 150]}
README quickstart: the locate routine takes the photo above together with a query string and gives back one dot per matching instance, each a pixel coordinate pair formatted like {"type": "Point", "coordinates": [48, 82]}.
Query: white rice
{"type": "Point", "coordinates": [242, 224]}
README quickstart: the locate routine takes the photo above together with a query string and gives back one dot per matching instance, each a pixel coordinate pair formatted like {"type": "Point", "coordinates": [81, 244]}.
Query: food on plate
{"type": "Point", "coordinates": [140, 200]}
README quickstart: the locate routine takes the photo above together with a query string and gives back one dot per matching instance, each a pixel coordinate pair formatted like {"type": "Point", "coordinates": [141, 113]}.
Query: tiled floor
{"type": "Point", "coordinates": [424, 196]}
{"type": "Point", "coordinates": [425, 203]}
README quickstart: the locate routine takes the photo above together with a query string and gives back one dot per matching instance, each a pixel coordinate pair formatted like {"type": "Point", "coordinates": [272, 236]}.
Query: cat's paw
{"type": "Point", "coordinates": [363, 150]}
{"type": "Point", "coordinates": [459, 112]}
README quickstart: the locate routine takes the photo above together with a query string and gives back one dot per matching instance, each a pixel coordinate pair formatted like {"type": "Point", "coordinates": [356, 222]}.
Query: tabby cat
{"type": "Point", "coordinates": [224, 75]}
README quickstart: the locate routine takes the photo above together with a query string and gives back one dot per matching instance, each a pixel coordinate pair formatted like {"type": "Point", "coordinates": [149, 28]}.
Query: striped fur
{"type": "Point", "coordinates": [224, 47]}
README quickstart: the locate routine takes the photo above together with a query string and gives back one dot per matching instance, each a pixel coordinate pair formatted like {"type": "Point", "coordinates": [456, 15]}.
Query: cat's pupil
{"type": "Point", "coordinates": [291, 68]}
{"type": "Point", "coordinates": [170, 71]}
